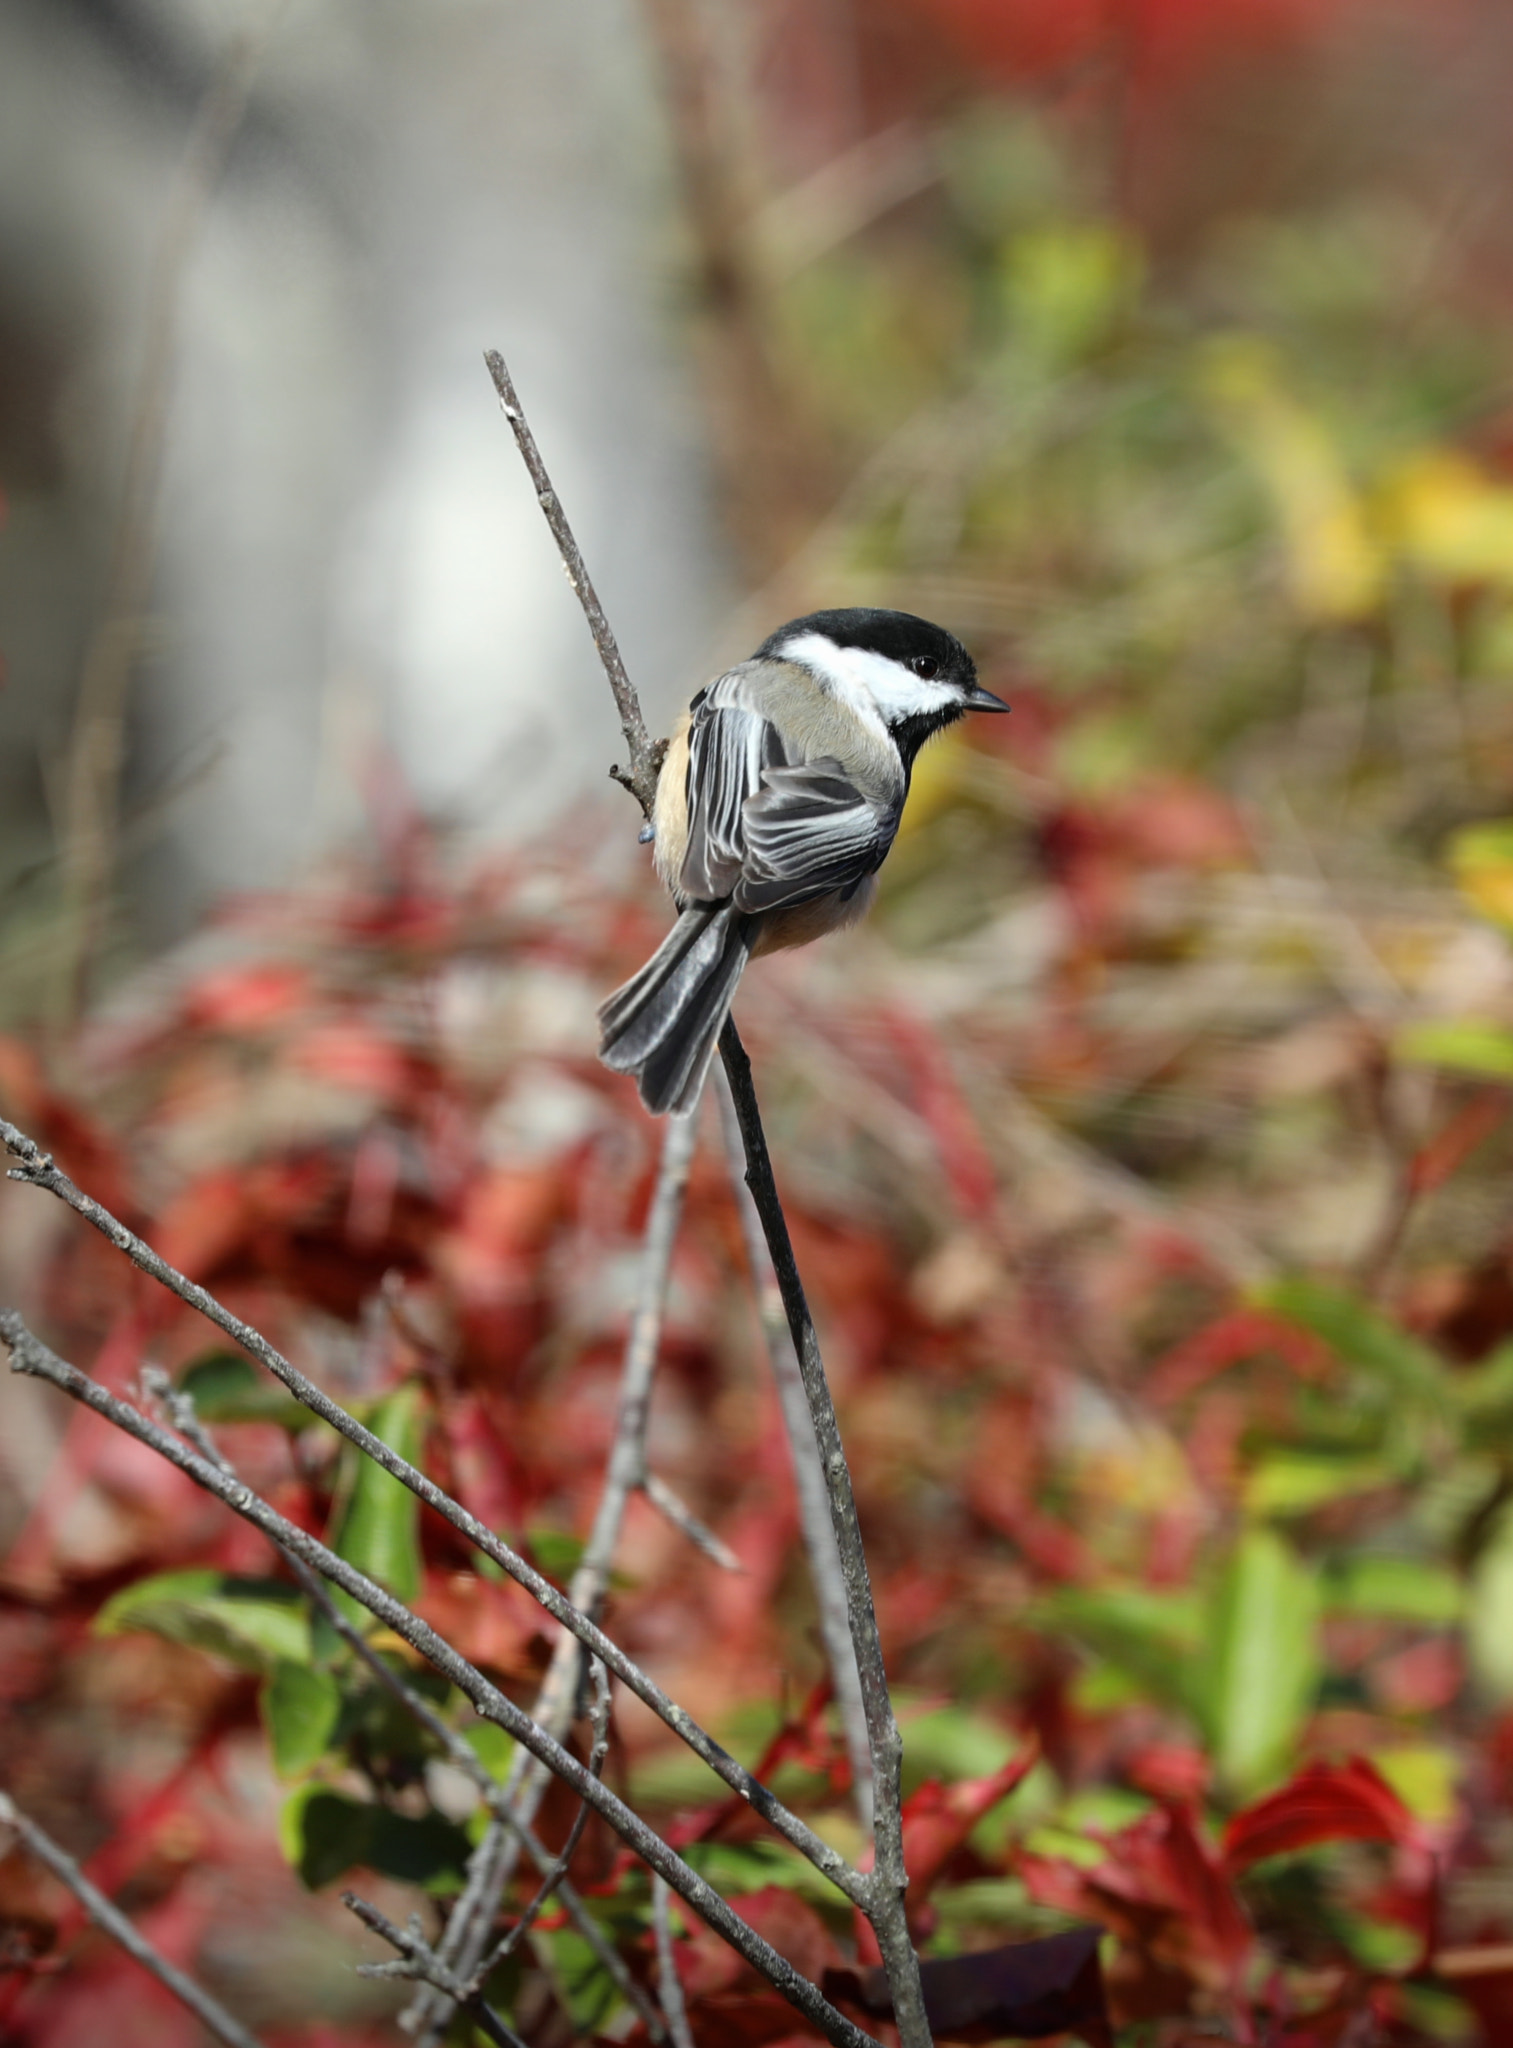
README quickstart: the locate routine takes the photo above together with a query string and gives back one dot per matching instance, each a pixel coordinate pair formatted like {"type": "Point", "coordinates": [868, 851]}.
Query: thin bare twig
{"type": "Point", "coordinates": [417, 1958]}
{"type": "Point", "coordinates": [669, 1984]}
{"type": "Point", "coordinates": [645, 753]}
{"type": "Point", "coordinates": [885, 1907]}
{"type": "Point", "coordinates": [120, 1929]}
{"type": "Point", "coordinates": [38, 1170]}
{"type": "Point", "coordinates": [473, 1916]}
{"type": "Point", "coordinates": [30, 1355]}
{"type": "Point", "coordinates": [554, 1878]}
{"type": "Point", "coordinates": [808, 1476]}
{"type": "Point", "coordinates": [180, 1409]}
{"type": "Point", "coordinates": [672, 1508]}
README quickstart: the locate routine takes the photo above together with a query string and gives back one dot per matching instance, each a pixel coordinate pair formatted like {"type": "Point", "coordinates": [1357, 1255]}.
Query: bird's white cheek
{"type": "Point", "coordinates": [871, 684]}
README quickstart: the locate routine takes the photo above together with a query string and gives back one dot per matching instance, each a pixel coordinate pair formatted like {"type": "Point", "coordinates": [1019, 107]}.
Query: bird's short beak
{"type": "Point", "coordinates": [979, 699]}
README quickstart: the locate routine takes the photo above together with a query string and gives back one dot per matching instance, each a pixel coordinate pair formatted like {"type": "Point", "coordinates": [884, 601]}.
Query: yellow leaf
{"type": "Point", "coordinates": [1334, 567]}
{"type": "Point", "coordinates": [1442, 514]}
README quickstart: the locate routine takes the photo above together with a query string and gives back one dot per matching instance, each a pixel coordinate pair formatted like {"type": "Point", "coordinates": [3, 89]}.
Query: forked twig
{"type": "Point", "coordinates": [553, 1879]}
{"type": "Point", "coordinates": [415, 1957]}
{"type": "Point", "coordinates": [473, 1916]}
{"type": "Point", "coordinates": [119, 1928]}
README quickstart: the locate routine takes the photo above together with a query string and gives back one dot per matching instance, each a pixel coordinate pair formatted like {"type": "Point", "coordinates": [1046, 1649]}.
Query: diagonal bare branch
{"type": "Point", "coordinates": [119, 1928]}
{"type": "Point", "coordinates": [30, 1355]}
{"type": "Point", "coordinates": [180, 1410]}
{"type": "Point", "coordinates": [37, 1169]}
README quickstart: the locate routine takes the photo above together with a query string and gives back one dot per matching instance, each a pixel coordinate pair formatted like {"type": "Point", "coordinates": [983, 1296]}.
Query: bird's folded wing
{"type": "Point", "coordinates": [809, 830]}
{"type": "Point", "coordinates": [762, 829]}
{"type": "Point", "coordinates": [730, 745]}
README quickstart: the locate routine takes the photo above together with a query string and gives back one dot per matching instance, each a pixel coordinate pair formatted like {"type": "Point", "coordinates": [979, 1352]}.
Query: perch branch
{"type": "Point", "coordinates": [38, 1170]}
{"type": "Point", "coordinates": [120, 1929]}
{"type": "Point", "coordinates": [645, 753]}
{"type": "Point", "coordinates": [885, 1906]}
{"type": "Point", "coordinates": [808, 1477]}
{"type": "Point", "coordinates": [30, 1355]}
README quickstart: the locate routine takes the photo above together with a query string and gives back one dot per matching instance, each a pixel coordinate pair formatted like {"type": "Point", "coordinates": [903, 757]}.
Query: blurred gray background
{"type": "Point", "coordinates": [258, 488]}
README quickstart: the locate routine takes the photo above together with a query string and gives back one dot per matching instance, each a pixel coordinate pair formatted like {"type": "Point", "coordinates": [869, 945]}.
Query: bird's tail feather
{"type": "Point", "coordinates": [662, 1024]}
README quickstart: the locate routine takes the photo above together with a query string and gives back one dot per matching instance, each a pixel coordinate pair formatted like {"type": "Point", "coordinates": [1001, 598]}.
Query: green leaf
{"type": "Point", "coordinates": [325, 1834]}
{"type": "Point", "coordinates": [254, 1623]}
{"type": "Point", "coordinates": [1466, 1046]}
{"type": "Point", "coordinates": [1152, 1637]}
{"type": "Point", "coordinates": [1297, 1482]}
{"type": "Point", "coordinates": [1489, 1618]}
{"type": "Point", "coordinates": [1396, 1589]}
{"type": "Point", "coordinates": [952, 1743]}
{"type": "Point", "coordinates": [1424, 1776]}
{"type": "Point", "coordinates": [1259, 1669]}
{"type": "Point", "coordinates": [301, 1707]}
{"type": "Point", "coordinates": [555, 1553]}
{"type": "Point", "coordinates": [736, 1868]}
{"type": "Point", "coordinates": [1360, 1335]}
{"type": "Point", "coordinates": [584, 1986]}
{"type": "Point", "coordinates": [379, 1528]}
{"type": "Point", "coordinates": [225, 1387]}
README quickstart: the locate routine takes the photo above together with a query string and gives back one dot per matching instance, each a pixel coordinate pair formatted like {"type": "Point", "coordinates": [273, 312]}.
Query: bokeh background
{"type": "Point", "coordinates": [1148, 1151]}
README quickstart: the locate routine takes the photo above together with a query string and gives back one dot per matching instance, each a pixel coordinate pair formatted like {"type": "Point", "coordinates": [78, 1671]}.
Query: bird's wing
{"type": "Point", "coordinates": [762, 829]}
{"type": "Point", "coordinates": [730, 743]}
{"type": "Point", "coordinates": [810, 830]}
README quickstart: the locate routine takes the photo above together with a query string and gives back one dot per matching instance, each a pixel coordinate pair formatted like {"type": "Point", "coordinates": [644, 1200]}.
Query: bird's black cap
{"type": "Point", "coordinates": [900, 636]}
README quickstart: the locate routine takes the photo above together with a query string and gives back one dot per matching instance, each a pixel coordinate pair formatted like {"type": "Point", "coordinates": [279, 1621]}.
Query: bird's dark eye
{"type": "Point", "coordinates": [926, 667]}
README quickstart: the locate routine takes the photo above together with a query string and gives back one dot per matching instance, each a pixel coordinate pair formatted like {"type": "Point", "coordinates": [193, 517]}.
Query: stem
{"type": "Point", "coordinates": [116, 1924]}
{"type": "Point", "coordinates": [645, 753]}
{"type": "Point", "coordinates": [808, 1477]}
{"type": "Point", "coordinates": [885, 1905]}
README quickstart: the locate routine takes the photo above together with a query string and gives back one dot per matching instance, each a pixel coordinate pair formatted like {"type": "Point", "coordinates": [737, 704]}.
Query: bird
{"type": "Point", "coordinates": [778, 799]}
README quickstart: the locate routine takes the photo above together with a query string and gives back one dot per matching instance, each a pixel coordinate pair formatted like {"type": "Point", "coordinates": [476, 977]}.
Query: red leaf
{"type": "Point", "coordinates": [246, 998]}
{"type": "Point", "coordinates": [938, 1818]}
{"type": "Point", "coordinates": [1448, 1150]}
{"type": "Point", "coordinates": [1348, 1802]}
{"type": "Point", "coordinates": [1159, 1888]}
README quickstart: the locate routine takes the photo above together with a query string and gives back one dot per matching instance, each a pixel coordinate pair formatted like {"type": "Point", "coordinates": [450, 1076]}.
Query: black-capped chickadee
{"type": "Point", "coordinates": [781, 793]}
